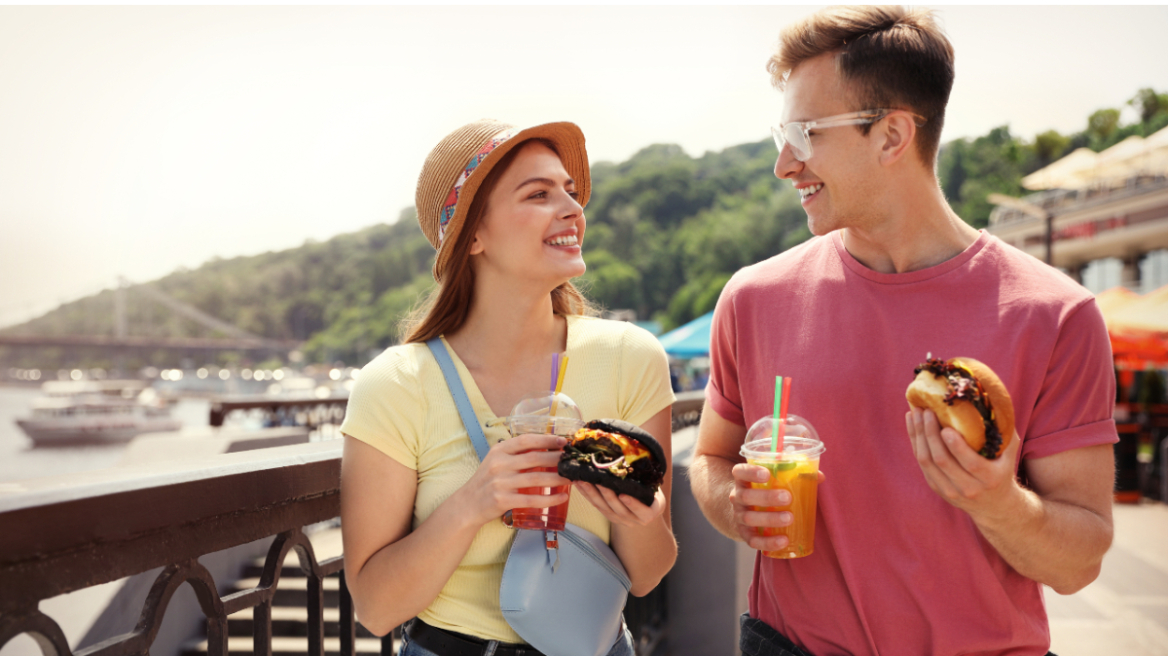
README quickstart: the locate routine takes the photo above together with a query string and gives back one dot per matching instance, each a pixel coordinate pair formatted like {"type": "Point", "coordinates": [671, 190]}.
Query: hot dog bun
{"type": "Point", "coordinates": [939, 387]}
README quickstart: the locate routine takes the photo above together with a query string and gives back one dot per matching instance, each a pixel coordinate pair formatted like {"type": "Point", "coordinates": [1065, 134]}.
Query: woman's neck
{"type": "Point", "coordinates": [507, 326]}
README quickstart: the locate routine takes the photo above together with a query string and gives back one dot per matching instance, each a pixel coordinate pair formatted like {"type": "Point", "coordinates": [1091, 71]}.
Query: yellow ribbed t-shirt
{"type": "Point", "coordinates": [402, 407]}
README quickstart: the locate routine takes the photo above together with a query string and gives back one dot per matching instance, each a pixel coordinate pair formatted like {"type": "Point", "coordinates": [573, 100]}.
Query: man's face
{"type": "Point", "coordinates": [838, 183]}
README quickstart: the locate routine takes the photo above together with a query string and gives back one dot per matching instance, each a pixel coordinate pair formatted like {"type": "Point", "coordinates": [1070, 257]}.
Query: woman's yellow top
{"type": "Point", "coordinates": [402, 407]}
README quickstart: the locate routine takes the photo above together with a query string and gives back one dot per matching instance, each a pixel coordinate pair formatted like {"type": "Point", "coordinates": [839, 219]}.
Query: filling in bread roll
{"type": "Point", "coordinates": [963, 385]}
{"type": "Point", "coordinates": [607, 451]}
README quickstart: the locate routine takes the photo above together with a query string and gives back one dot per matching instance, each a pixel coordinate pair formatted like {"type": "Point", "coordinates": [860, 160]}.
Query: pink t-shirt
{"type": "Point", "coordinates": [897, 571]}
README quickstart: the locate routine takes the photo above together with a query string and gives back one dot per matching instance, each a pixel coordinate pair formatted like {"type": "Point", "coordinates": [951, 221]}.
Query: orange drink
{"type": "Point", "coordinates": [801, 479]}
{"type": "Point", "coordinates": [796, 469]}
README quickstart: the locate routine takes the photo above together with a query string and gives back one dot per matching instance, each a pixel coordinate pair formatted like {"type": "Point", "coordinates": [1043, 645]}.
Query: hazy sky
{"type": "Point", "coordinates": [136, 140]}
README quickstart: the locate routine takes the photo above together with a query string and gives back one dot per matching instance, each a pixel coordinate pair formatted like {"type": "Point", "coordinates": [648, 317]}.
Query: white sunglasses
{"type": "Point", "coordinates": [798, 133]}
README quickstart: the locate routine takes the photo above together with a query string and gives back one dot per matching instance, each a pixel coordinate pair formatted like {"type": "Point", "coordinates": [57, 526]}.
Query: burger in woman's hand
{"type": "Point", "coordinates": [616, 455]}
{"type": "Point", "coordinates": [968, 397]}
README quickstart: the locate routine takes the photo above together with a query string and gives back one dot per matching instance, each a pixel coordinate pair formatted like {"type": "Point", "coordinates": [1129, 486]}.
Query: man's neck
{"type": "Point", "coordinates": [918, 230]}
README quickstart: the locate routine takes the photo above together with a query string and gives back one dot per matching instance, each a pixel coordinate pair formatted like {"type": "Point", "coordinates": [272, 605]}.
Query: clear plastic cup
{"type": "Point", "coordinates": [796, 469]}
{"type": "Point", "coordinates": [545, 414]}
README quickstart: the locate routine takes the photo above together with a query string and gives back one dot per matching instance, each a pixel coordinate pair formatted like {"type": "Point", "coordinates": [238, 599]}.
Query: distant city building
{"type": "Point", "coordinates": [1108, 215]}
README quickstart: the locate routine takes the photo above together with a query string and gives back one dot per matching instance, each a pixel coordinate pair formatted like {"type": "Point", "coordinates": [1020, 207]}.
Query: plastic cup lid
{"type": "Point", "coordinates": [799, 437]}
{"type": "Point", "coordinates": [546, 404]}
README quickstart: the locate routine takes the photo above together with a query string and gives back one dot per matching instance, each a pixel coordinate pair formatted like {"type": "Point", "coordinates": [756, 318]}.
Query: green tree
{"type": "Point", "coordinates": [1102, 124]}
{"type": "Point", "coordinates": [1050, 146]}
{"type": "Point", "coordinates": [971, 169]}
{"type": "Point", "coordinates": [612, 279]}
{"type": "Point", "coordinates": [1149, 103]}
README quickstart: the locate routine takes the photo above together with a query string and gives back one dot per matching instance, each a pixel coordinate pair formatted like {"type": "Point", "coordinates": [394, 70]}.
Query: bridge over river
{"type": "Point", "coordinates": [236, 339]}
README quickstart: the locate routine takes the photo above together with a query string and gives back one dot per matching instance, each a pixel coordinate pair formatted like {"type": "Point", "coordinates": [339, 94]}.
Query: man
{"type": "Point", "coordinates": [922, 546]}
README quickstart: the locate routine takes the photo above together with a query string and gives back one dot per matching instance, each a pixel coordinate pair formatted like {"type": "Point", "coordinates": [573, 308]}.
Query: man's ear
{"type": "Point", "coordinates": [899, 131]}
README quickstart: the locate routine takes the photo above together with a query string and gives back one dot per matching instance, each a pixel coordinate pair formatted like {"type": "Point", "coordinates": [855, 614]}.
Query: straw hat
{"type": "Point", "coordinates": [459, 163]}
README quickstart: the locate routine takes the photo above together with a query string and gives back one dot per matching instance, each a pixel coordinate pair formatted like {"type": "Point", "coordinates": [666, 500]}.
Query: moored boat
{"type": "Point", "coordinates": [96, 412]}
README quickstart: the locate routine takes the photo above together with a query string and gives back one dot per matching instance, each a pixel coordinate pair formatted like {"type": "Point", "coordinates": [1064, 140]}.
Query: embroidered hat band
{"type": "Point", "coordinates": [452, 199]}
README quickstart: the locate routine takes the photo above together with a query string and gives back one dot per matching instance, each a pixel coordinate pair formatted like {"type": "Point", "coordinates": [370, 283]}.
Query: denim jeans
{"type": "Point", "coordinates": [623, 647]}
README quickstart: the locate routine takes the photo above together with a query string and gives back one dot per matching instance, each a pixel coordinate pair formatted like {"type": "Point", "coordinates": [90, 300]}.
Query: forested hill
{"type": "Point", "coordinates": [665, 232]}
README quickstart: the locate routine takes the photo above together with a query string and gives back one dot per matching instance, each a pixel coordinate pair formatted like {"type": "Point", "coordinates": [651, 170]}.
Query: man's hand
{"type": "Point", "coordinates": [721, 486]}
{"type": "Point", "coordinates": [748, 520]}
{"type": "Point", "coordinates": [960, 475]}
{"type": "Point", "coordinates": [758, 508]}
{"type": "Point", "coordinates": [1054, 532]}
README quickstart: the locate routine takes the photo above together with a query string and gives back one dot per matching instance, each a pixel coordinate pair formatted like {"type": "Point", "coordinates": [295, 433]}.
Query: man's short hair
{"type": "Point", "coordinates": [894, 58]}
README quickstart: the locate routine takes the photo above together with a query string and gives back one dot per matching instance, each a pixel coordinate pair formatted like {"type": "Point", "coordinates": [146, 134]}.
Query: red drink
{"type": "Point", "coordinates": [553, 518]}
{"type": "Point", "coordinates": [550, 519]}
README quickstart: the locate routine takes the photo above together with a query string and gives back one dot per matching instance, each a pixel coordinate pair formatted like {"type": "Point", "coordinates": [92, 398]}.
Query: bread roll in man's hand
{"type": "Point", "coordinates": [967, 396]}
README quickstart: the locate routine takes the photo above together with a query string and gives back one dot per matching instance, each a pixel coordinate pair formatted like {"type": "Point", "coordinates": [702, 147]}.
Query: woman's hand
{"type": "Point", "coordinates": [494, 488]}
{"type": "Point", "coordinates": [621, 508]}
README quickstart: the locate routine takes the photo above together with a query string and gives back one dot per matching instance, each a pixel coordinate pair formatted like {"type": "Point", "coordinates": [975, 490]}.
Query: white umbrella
{"type": "Point", "coordinates": [1158, 140]}
{"type": "Point", "coordinates": [1157, 145]}
{"type": "Point", "coordinates": [1124, 160]}
{"type": "Point", "coordinates": [1071, 172]}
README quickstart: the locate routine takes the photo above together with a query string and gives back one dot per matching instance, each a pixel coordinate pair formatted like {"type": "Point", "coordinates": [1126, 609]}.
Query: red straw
{"type": "Point", "coordinates": [783, 410]}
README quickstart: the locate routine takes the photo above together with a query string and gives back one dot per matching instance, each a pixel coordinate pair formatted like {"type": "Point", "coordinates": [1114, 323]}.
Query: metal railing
{"type": "Point", "coordinates": [61, 538]}
{"type": "Point", "coordinates": [61, 535]}
{"type": "Point", "coordinates": [312, 412]}
{"type": "Point", "coordinates": [1062, 201]}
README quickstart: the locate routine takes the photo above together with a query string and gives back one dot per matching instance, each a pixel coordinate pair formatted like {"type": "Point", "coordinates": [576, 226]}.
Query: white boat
{"type": "Point", "coordinates": [96, 412]}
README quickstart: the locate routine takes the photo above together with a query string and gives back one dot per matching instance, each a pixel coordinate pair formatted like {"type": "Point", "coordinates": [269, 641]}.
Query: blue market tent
{"type": "Point", "coordinates": [691, 340]}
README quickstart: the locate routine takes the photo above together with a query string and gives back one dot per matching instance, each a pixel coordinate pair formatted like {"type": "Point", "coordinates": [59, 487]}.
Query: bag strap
{"type": "Point", "coordinates": [471, 422]}
{"type": "Point", "coordinates": [461, 400]}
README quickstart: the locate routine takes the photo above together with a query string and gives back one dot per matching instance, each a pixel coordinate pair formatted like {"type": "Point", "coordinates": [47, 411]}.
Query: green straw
{"type": "Point", "coordinates": [778, 410]}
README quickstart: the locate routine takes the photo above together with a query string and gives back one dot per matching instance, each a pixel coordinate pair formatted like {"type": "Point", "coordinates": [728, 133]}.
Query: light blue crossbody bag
{"type": "Point", "coordinates": [562, 596]}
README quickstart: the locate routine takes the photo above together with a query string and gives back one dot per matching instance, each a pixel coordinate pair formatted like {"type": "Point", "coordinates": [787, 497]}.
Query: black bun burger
{"type": "Point", "coordinates": [615, 454]}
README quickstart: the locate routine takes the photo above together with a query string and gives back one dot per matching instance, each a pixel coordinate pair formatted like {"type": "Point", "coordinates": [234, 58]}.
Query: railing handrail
{"type": "Point", "coordinates": [63, 488]}
{"type": "Point", "coordinates": [60, 537]}
{"type": "Point", "coordinates": [687, 401]}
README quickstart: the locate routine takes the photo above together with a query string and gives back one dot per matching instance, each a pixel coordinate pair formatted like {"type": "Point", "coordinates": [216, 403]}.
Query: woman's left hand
{"type": "Point", "coordinates": [621, 508]}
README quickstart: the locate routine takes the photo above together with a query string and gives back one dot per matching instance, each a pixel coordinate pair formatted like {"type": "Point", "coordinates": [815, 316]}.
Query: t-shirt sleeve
{"type": "Point", "coordinates": [385, 409]}
{"type": "Point", "coordinates": [644, 377]}
{"type": "Point", "coordinates": [1075, 405]}
{"type": "Point", "coordinates": [722, 392]}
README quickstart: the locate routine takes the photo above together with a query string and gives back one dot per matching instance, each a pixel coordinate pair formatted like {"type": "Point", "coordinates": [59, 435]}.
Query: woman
{"type": "Point", "coordinates": [422, 521]}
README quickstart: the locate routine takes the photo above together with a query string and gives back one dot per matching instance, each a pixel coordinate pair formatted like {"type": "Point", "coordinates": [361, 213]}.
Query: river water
{"type": "Point", "coordinates": [20, 461]}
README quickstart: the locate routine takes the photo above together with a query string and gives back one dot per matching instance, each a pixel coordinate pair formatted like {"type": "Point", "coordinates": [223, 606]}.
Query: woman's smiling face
{"type": "Point", "coordinates": [533, 226]}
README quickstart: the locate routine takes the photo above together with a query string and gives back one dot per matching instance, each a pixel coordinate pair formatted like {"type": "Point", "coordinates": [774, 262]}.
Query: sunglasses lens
{"type": "Point", "coordinates": [792, 135]}
{"type": "Point", "coordinates": [798, 140]}
{"type": "Point", "coordinates": [779, 139]}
